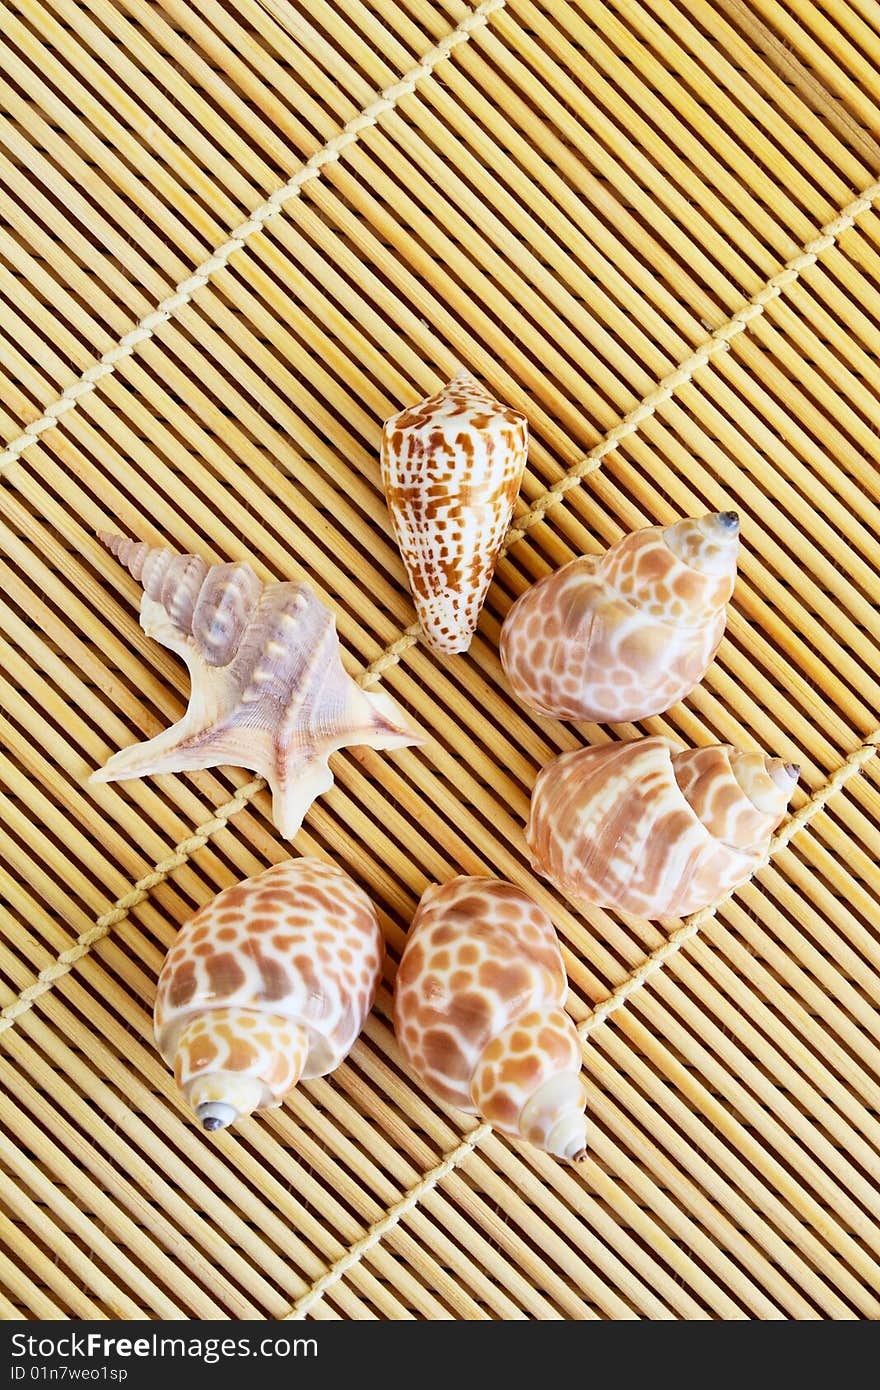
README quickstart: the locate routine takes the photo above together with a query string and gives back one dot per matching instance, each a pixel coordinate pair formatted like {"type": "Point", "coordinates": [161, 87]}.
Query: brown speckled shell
{"type": "Point", "coordinates": [299, 942]}
{"type": "Point", "coordinates": [451, 468]}
{"type": "Point", "coordinates": [624, 635]}
{"type": "Point", "coordinates": [478, 1003]}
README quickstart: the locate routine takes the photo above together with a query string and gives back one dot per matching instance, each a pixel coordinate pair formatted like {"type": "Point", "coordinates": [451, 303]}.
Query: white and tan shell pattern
{"type": "Point", "coordinates": [269, 691]}
{"type": "Point", "coordinates": [624, 635]}
{"type": "Point", "coordinates": [479, 1012]}
{"type": "Point", "coordinates": [652, 828]}
{"type": "Point", "coordinates": [271, 981]}
{"type": "Point", "coordinates": [451, 467]}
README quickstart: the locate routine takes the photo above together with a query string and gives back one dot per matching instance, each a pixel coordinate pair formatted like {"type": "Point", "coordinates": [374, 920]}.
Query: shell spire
{"type": "Point", "coordinates": [625, 635]}
{"type": "Point", "coordinates": [654, 829]}
{"type": "Point", "coordinates": [479, 1013]}
{"type": "Point", "coordinates": [271, 981]}
{"type": "Point", "coordinates": [451, 468]}
{"type": "Point", "coordinates": [269, 691]}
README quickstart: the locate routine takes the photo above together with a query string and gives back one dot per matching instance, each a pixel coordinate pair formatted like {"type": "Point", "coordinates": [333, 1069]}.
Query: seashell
{"type": "Point", "coordinates": [652, 828]}
{"type": "Point", "coordinates": [269, 691]}
{"type": "Point", "coordinates": [451, 468]}
{"type": "Point", "coordinates": [625, 635]}
{"type": "Point", "coordinates": [269, 982]}
{"type": "Point", "coordinates": [478, 1013]}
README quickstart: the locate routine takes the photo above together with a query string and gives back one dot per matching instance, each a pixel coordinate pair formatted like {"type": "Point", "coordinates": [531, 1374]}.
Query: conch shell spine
{"type": "Point", "coordinates": [269, 691]}
{"type": "Point", "coordinates": [451, 467]}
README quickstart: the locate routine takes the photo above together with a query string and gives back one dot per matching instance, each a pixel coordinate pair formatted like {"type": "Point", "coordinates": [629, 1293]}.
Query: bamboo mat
{"type": "Point", "coordinates": [236, 236]}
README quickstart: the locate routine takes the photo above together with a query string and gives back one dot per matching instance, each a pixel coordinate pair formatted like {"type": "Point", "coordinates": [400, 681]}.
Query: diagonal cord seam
{"type": "Point", "coordinates": [718, 342]}
{"type": "Point", "coordinates": [380, 1228]}
{"type": "Point", "coordinates": [852, 765]}
{"type": "Point", "coordinates": [183, 293]}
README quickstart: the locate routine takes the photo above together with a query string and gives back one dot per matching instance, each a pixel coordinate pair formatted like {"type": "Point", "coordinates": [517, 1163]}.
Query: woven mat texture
{"type": "Point", "coordinates": [235, 237]}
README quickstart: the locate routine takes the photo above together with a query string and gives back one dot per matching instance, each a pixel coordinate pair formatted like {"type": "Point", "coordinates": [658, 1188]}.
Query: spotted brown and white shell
{"type": "Point", "coordinates": [625, 636]}
{"type": "Point", "coordinates": [654, 829]}
{"type": "Point", "coordinates": [451, 469]}
{"type": "Point", "coordinates": [479, 1013]}
{"type": "Point", "coordinates": [269, 691]}
{"type": "Point", "coordinates": [270, 982]}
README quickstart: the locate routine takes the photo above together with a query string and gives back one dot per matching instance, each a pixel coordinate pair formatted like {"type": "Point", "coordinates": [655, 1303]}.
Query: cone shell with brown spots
{"type": "Point", "coordinates": [479, 1012]}
{"type": "Point", "coordinates": [451, 468]}
{"type": "Point", "coordinates": [270, 981]}
{"type": "Point", "coordinates": [625, 635]}
{"type": "Point", "coordinates": [654, 829]}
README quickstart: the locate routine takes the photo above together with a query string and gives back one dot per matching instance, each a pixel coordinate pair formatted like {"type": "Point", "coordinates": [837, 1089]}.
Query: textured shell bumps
{"type": "Point", "coordinates": [269, 691]}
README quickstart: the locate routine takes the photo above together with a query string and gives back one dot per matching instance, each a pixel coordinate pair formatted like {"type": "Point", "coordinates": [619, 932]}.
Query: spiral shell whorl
{"type": "Point", "coordinates": [212, 603]}
{"type": "Point", "coordinates": [172, 580]}
{"type": "Point", "coordinates": [230, 1062]}
{"type": "Point", "coordinates": [652, 829]}
{"type": "Point", "coordinates": [625, 635]}
{"type": "Point", "coordinates": [479, 1017]}
{"type": "Point", "coordinates": [739, 797]}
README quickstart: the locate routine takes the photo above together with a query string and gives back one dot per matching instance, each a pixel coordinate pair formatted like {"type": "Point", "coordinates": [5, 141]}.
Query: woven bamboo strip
{"type": "Point", "coordinates": [124, 1231]}
{"type": "Point", "coordinates": [84, 1269]}
{"type": "Point", "coordinates": [356, 1252]}
{"type": "Point", "coordinates": [499, 1150]}
{"type": "Point", "coordinates": [578, 1267]}
{"type": "Point", "coordinates": [655, 961]}
{"type": "Point", "coordinates": [207, 1269]}
{"type": "Point", "coordinates": [240, 235]}
{"type": "Point", "coordinates": [346, 1101]}
{"type": "Point", "coordinates": [388, 1086]}
{"type": "Point", "coordinates": [32, 1297]}
{"type": "Point", "coordinates": [809, 919]}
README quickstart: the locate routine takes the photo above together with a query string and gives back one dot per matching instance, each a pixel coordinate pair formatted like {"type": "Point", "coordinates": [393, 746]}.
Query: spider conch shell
{"type": "Point", "coordinates": [451, 468]}
{"type": "Point", "coordinates": [269, 691]}
{"type": "Point", "coordinates": [654, 829]}
{"type": "Point", "coordinates": [625, 635]}
{"type": "Point", "coordinates": [478, 1013]}
{"type": "Point", "coordinates": [270, 982]}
